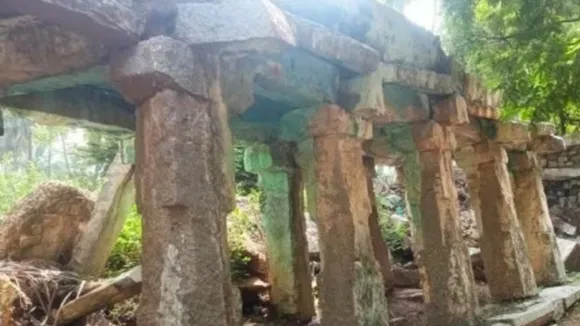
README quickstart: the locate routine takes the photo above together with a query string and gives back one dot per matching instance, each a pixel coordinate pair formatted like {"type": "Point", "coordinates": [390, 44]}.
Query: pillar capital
{"type": "Point", "coordinates": [523, 161]}
{"type": "Point", "coordinates": [470, 157]}
{"type": "Point", "coordinates": [431, 136]}
{"type": "Point", "coordinates": [156, 64]}
{"type": "Point", "coordinates": [259, 158]}
{"type": "Point", "coordinates": [327, 120]}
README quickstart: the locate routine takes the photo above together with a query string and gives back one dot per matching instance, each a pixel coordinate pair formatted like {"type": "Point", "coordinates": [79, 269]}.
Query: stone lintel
{"type": "Point", "coordinates": [513, 135]}
{"type": "Point", "coordinates": [540, 129]}
{"type": "Point", "coordinates": [236, 26]}
{"type": "Point", "coordinates": [86, 106]}
{"type": "Point", "coordinates": [33, 49]}
{"type": "Point", "coordinates": [451, 110]}
{"type": "Point", "coordinates": [383, 28]}
{"type": "Point", "coordinates": [548, 144]}
{"type": "Point", "coordinates": [114, 22]}
{"type": "Point", "coordinates": [156, 64]}
{"type": "Point", "coordinates": [334, 47]}
{"type": "Point", "coordinates": [481, 102]}
{"type": "Point", "coordinates": [424, 81]}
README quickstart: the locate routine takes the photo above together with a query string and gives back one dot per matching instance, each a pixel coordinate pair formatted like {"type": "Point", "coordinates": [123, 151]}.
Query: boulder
{"type": "Point", "coordinates": [570, 253]}
{"type": "Point", "coordinates": [46, 224]}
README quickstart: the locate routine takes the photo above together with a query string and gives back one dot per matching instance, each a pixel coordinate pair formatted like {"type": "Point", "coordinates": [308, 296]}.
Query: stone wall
{"type": "Point", "coordinates": [561, 175]}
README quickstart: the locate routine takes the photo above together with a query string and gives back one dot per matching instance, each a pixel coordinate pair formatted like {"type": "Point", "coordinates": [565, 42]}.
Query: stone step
{"type": "Point", "coordinates": [548, 307]}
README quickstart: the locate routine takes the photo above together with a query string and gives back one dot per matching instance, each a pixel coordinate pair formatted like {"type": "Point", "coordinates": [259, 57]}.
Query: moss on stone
{"type": "Point", "coordinates": [370, 300]}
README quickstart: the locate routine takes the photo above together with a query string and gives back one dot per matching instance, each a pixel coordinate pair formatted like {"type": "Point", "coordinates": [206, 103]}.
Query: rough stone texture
{"type": "Point", "coordinates": [548, 144]}
{"type": "Point", "coordinates": [236, 25]}
{"type": "Point", "coordinates": [46, 224]}
{"type": "Point", "coordinates": [570, 251]}
{"type": "Point", "coordinates": [111, 210]}
{"type": "Point", "coordinates": [86, 106]}
{"type": "Point", "coordinates": [32, 49]}
{"type": "Point", "coordinates": [481, 102]}
{"type": "Point", "coordinates": [116, 22]}
{"type": "Point", "coordinates": [336, 48]}
{"type": "Point", "coordinates": [446, 273]}
{"type": "Point", "coordinates": [380, 247]}
{"type": "Point", "coordinates": [532, 211]}
{"type": "Point", "coordinates": [377, 25]}
{"type": "Point", "coordinates": [513, 135]}
{"type": "Point", "coordinates": [185, 190]}
{"type": "Point", "coordinates": [504, 251]}
{"type": "Point", "coordinates": [156, 64]}
{"type": "Point", "coordinates": [425, 81]}
{"type": "Point", "coordinates": [452, 110]}
{"type": "Point", "coordinates": [351, 289]}
{"type": "Point", "coordinates": [282, 214]}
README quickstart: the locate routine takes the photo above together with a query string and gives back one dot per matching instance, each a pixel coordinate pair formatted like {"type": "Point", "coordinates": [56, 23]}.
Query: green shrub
{"type": "Point", "coordinates": [127, 251]}
{"type": "Point", "coordinates": [395, 234]}
{"type": "Point", "coordinates": [241, 227]}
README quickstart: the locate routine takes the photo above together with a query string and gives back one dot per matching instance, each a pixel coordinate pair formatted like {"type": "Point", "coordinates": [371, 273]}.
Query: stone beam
{"type": "Point", "coordinates": [33, 49]}
{"type": "Point", "coordinates": [297, 79]}
{"type": "Point", "coordinates": [532, 210]}
{"type": "Point", "coordinates": [420, 80]}
{"type": "Point", "coordinates": [513, 135]}
{"type": "Point", "coordinates": [85, 106]}
{"type": "Point", "coordinates": [184, 182]}
{"type": "Point", "coordinates": [282, 215]}
{"type": "Point", "coordinates": [113, 22]}
{"type": "Point", "coordinates": [381, 27]}
{"type": "Point", "coordinates": [481, 102]}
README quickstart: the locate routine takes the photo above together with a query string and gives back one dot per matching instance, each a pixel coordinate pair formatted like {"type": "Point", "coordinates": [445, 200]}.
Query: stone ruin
{"type": "Point", "coordinates": [319, 92]}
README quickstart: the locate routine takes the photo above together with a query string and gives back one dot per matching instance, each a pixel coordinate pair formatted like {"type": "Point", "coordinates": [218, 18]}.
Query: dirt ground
{"type": "Point", "coordinates": [572, 318]}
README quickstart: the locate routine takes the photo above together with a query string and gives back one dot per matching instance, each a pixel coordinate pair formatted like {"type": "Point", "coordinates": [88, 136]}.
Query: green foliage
{"type": "Point", "coordinates": [530, 49]}
{"type": "Point", "coordinates": [241, 227]}
{"type": "Point", "coordinates": [99, 151]}
{"type": "Point", "coordinates": [16, 184]}
{"type": "Point", "coordinates": [127, 251]}
{"type": "Point", "coordinates": [395, 234]}
{"type": "Point", "coordinates": [246, 182]}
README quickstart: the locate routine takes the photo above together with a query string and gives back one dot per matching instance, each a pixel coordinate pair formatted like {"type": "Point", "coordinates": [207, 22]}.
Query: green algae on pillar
{"type": "Point", "coordinates": [351, 287]}
{"type": "Point", "coordinates": [283, 224]}
{"type": "Point", "coordinates": [443, 258]}
{"type": "Point", "coordinates": [532, 210]}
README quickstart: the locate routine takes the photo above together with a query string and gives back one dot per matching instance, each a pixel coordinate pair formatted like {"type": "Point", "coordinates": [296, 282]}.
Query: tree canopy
{"type": "Point", "coordinates": [528, 48]}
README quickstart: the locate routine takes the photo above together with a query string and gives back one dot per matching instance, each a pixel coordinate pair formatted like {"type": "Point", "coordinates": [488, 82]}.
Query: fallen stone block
{"type": "Point", "coordinates": [569, 294]}
{"type": "Point", "coordinates": [529, 314]}
{"type": "Point", "coordinates": [570, 252]}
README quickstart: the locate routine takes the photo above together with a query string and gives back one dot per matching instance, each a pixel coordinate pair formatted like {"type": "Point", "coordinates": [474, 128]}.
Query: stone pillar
{"type": "Point", "coordinates": [185, 182]}
{"type": "Point", "coordinates": [503, 249]}
{"type": "Point", "coordinates": [380, 247]}
{"type": "Point", "coordinates": [443, 258]}
{"type": "Point", "coordinates": [112, 208]}
{"type": "Point", "coordinates": [351, 289]}
{"type": "Point", "coordinates": [532, 210]}
{"type": "Point", "coordinates": [283, 224]}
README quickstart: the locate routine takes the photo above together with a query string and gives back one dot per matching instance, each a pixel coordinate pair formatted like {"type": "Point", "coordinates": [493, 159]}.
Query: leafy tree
{"type": "Point", "coordinates": [530, 49]}
{"type": "Point", "coordinates": [99, 151]}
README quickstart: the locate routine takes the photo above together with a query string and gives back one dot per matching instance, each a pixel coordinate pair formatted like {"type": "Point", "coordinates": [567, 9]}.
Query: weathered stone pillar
{"type": "Point", "coordinates": [441, 254]}
{"type": "Point", "coordinates": [351, 287]}
{"type": "Point", "coordinates": [380, 247]}
{"type": "Point", "coordinates": [532, 210]}
{"type": "Point", "coordinates": [185, 182]}
{"type": "Point", "coordinates": [503, 249]}
{"type": "Point", "coordinates": [283, 224]}
{"type": "Point", "coordinates": [112, 207]}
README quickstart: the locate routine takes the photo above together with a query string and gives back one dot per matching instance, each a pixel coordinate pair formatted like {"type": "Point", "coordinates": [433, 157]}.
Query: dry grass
{"type": "Point", "coordinates": [32, 292]}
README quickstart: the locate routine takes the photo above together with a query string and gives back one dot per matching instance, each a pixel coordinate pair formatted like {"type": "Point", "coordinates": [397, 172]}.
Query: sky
{"type": "Point", "coordinates": [421, 12]}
